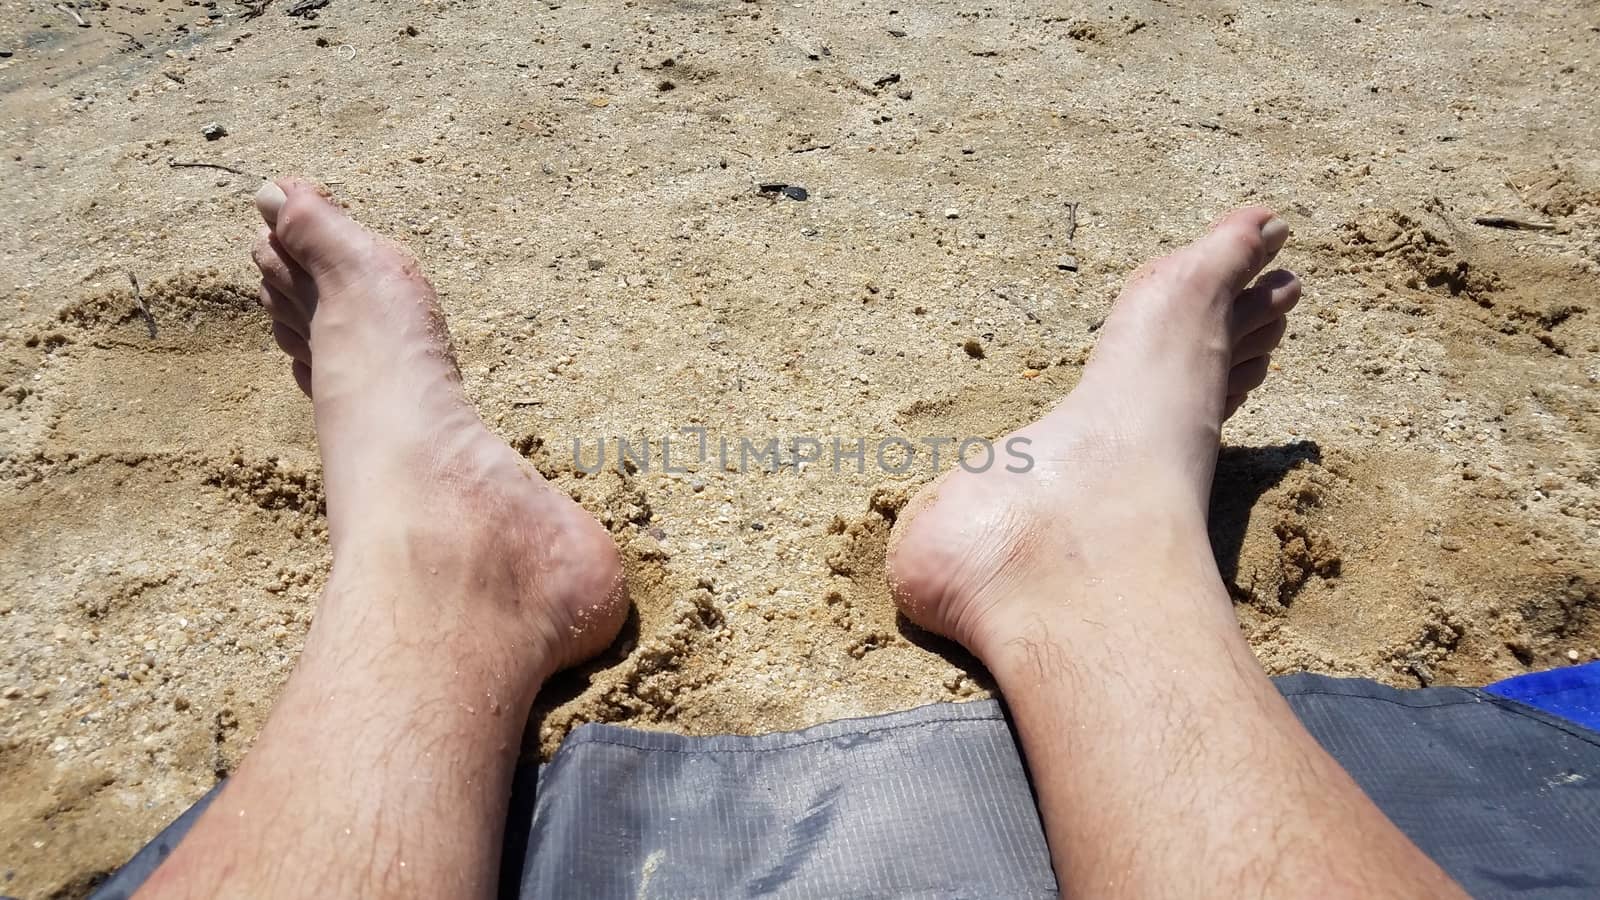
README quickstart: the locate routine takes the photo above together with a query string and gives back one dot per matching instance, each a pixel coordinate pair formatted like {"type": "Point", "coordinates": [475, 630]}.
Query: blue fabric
{"type": "Point", "coordinates": [1573, 693]}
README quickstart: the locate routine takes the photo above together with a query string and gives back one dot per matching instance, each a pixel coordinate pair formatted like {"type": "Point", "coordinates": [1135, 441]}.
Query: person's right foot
{"type": "Point", "coordinates": [426, 507]}
{"type": "Point", "coordinates": [1123, 465]}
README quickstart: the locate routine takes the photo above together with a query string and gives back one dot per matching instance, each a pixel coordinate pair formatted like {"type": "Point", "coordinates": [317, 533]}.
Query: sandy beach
{"type": "Point", "coordinates": [753, 223]}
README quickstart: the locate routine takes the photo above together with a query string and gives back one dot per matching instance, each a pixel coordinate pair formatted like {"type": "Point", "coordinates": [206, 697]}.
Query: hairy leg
{"type": "Point", "coordinates": [460, 581]}
{"type": "Point", "coordinates": [1165, 762]}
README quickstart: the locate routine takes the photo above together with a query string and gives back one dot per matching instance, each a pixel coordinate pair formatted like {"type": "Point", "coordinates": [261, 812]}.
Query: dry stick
{"type": "Point", "coordinates": [174, 164]}
{"type": "Point", "coordinates": [1515, 224]}
{"type": "Point", "coordinates": [138, 297]}
{"type": "Point", "coordinates": [73, 13]}
{"type": "Point", "coordinates": [1072, 221]}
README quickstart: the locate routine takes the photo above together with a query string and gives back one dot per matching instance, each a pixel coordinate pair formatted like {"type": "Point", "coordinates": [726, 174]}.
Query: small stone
{"type": "Point", "coordinates": [1067, 264]}
{"type": "Point", "coordinates": [600, 102]}
{"type": "Point", "coordinates": [180, 703]}
{"type": "Point", "coordinates": [973, 348]}
{"type": "Point", "coordinates": [13, 692]}
{"type": "Point", "coordinates": [952, 213]}
{"type": "Point", "coordinates": [596, 265]}
{"type": "Point", "coordinates": [1572, 656]}
{"type": "Point", "coordinates": [214, 131]}
{"type": "Point", "coordinates": [903, 94]}
{"type": "Point", "coordinates": [1450, 543]}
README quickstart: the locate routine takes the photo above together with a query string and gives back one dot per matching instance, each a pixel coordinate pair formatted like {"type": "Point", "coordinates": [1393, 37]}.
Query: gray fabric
{"type": "Point", "coordinates": [1504, 797]}
{"type": "Point", "coordinates": [935, 802]}
{"type": "Point", "coordinates": [927, 803]}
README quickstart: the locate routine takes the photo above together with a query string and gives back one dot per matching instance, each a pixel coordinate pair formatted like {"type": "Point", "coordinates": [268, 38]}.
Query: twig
{"type": "Point", "coordinates": [138, 297]}
{"type": "Point", "coordinates": [174, 164]}
{"type": "Point", "coordinates": [73, 13]}
{"type": "Point", "coordinates": [1514, 224]}
{"type": "Point", "coordinates": [1072, 221]}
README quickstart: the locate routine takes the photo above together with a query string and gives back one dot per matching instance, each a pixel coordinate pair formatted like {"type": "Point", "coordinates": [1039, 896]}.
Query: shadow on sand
{"type": "Point", "coordinates": [1243, 475]}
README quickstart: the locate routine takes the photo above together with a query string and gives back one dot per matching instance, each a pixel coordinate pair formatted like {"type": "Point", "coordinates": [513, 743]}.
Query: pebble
{"type": "Point", "coordinates": [1572, 656]}
{"type": "Point", "coordinates": [952, 213]}
{"type": "Point", "coordinates": [214, 131]}
{"type": "Point", "coordinates": [1450, 543]}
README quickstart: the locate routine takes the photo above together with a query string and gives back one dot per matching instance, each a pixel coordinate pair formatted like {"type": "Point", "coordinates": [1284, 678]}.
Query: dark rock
{"type": "Point", "coordinates": [306, 9]}
{"type": "Point", "coordinates": [775, 189]}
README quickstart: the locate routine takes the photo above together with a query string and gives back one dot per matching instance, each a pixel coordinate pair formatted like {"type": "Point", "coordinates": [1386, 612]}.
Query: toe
{"type": "Point", "coordinates": [1248, 375]}
{"type": "Point", "coordinates": [1261, 341]}
{"type": "Point", "coordinates": [269, 202]}
{"type": "Point", "coordinates": [1271, 297]}
{"type": "Point", "coordinates": [279, 270]}
{"type": "Point", "coordinates": [1238, 247]}
{"type": "Point", "coordinates": [302, 376]}
{"type": "Point", "coordinates": [291, 342]}
{"type": "Point", "coordinates": [285, 308]}
{"type": "Point", "coordinates": [316, 233]}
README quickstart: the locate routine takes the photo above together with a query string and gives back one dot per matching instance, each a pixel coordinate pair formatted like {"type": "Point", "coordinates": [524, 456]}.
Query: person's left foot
{"type": "Point", "coordinates": [427, 509]}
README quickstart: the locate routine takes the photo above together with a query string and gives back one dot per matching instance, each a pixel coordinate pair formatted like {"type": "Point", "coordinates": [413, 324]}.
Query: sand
{"type": "Point", "coordinates": [1413, 498]}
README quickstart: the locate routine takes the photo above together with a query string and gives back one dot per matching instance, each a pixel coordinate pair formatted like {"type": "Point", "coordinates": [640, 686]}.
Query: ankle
{"type": "Point", "coordinates": [1149, 595]}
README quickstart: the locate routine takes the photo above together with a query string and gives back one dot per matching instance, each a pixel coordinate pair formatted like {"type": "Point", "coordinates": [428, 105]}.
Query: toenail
{"type": "Point", "coordinates": [269, 200]}
{"type": "Point", "coordinates": [1275, 232]}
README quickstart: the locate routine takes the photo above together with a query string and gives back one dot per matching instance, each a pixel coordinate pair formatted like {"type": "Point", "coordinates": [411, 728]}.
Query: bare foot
{"type": "Point", "coordinates": [1124, 463]}
{"type": "Point", "coordinates": [423, 501]}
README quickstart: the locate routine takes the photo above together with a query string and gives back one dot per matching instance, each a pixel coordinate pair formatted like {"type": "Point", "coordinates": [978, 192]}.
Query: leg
{"type": "Point", "coordinates": [1164, 760]}
{"type": "Point", "coordinates": [460, 581]}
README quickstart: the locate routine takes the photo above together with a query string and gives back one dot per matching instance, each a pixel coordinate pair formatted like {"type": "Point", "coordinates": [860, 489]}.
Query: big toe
{"type": "Point", "coordinates": [317, 234]}
{"type": "Point", "coordinates": [1239, 246]}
